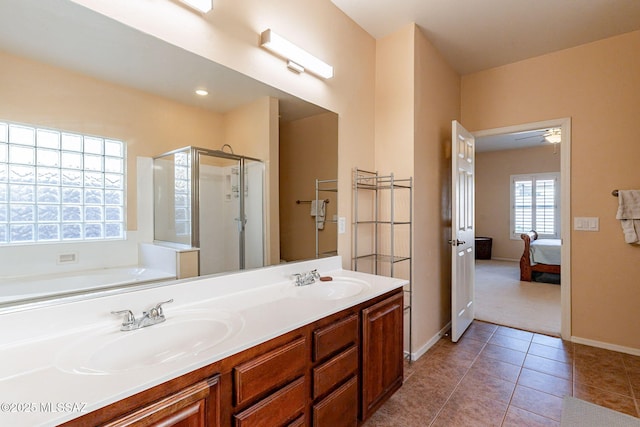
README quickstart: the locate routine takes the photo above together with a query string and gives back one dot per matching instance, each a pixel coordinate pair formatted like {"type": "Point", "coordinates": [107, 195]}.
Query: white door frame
{"type": "Point", "coordinates": [565, 203]}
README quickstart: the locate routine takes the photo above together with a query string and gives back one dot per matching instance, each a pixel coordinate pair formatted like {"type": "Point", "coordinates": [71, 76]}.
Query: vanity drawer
{"type": "Point", "coordinates": [187, 407]}
{"type": "Point", "coordinates": [298, 422]}
{"type": "Point", "coordinates": [340, 408]}
{"type": "Point", "coordinates": [269, 371]}
{"type": "Point", "coordinates": [283, 407]}
{"type": "Point", "coordinates": [334, 337]}
{"type": "Point", "coordinates": [334, 371]}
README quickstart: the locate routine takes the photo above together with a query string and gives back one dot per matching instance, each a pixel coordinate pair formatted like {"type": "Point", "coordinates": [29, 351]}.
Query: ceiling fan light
{"type": "Point", "coordinates": [554, 137]}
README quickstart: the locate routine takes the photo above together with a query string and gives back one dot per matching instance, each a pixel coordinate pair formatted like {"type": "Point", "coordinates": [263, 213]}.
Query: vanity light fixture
{"type": "Point", "coordinates": [203, 6]}
{"type": "Point", "coordinates": [202, 92]}
{"type": "Point", "coordinates": [299, 60]}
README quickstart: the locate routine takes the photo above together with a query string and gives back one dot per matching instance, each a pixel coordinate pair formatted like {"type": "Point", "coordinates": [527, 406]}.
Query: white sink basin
{"type": "Point", "coordinates": [183, 335]}
{"type": "Point", "coordinates": [338, 288]}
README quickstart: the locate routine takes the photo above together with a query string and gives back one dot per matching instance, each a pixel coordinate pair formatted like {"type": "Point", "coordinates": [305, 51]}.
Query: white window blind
{"type": "Point", "coordinates": [535, 204]}
{"type": "Point", "coordinates": [58, 186]}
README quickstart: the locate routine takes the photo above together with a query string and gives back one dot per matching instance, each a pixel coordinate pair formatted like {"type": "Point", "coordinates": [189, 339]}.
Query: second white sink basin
{"type": "Point", "coordinates": [338, 288]}
{"type": "Point", "coordinates": [182, 335]}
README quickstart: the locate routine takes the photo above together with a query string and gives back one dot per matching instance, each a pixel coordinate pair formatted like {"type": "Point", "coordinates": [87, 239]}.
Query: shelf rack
{"type": "Point", "coordinates": [377, 251]}
{"type": "Point", "coordinates": [322, 186]}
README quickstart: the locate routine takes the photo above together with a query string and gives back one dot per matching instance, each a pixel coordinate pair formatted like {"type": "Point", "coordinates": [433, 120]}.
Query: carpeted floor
{"type": "Point", "coordinates": [501, 298]}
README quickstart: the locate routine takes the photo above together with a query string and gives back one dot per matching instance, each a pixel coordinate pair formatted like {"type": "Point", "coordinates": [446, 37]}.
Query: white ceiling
{"type": "Point", "coordinates": [475, 35]}
{"type": "Point", "coordinates": [65, 34]}
{"type": "Point", "coordinates": [511, 141]}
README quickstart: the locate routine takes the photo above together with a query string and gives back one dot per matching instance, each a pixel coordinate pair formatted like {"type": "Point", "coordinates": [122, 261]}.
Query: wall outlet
{"type": "Point", "coordinates": [342, 225]}
{"type": "Point", "coordinates": [67, 258]}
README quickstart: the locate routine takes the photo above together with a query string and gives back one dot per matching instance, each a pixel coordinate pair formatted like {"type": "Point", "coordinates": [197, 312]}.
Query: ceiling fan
{"type": "Point", "coordinates": [552, 136]}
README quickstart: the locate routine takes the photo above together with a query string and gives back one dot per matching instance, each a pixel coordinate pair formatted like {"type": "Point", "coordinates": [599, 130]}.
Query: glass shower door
{"type": "Point", "coordinates": [220, 214]}
{"type": "Point", "coordinates": [172, 197]}
{"type": "Point", "coordinates": [214, 201]}
{"type": "Point", "coordinates": [253, 212]}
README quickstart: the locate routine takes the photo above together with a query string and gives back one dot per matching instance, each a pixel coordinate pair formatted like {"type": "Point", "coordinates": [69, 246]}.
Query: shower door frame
{"type": "Point", "coordinates": [195, 152]}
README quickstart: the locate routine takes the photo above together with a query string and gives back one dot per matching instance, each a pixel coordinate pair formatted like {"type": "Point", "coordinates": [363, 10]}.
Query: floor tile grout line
{"type": "Point", "coordinates": [635, 398]}
{"type": "Point", "coordinates": [514, 392]}
{"type": "Point", "coordinates": [461, 378]}
{"type": "Point", "coordinates": [504, 418]}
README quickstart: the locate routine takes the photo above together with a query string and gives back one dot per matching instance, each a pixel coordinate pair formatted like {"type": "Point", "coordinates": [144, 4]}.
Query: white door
{"type": "Point", "coordinates": [462, 230]}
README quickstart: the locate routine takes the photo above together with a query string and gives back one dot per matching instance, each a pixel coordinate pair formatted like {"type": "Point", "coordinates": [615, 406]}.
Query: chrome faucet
{"type": "Point", "coordinates": [153, 316]}
{"type": "Point", "coordinates": [304, 279]}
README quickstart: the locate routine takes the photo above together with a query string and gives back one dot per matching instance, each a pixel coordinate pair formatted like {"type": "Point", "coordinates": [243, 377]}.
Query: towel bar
{"type": "Point", "coordinates": [614, 193]}
{"type": "Point", "coordinates": [309, 201]}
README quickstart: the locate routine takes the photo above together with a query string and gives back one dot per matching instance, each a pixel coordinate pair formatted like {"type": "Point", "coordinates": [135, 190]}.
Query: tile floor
{"type": "Point", "coordinates": [499, 376]}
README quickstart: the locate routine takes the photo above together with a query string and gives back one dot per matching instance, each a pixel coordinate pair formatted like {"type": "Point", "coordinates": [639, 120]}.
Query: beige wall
{"type": "Point", "coordinates": [43, 95]}
{"type": "Point", "coordinates": [597, 85]}
{"type": "Point", "coordinates": [229, 35]}
{"type": "Point", "coordinates": [437, 103]}
{"type": "Point", "coordinates": [417, 97]}
{"type": "Point", "coordinates": [308, 151]}
{"type": "Point", "coordinates": [493, 192]}
{"type": "Point", "coordinates": [394, 120]}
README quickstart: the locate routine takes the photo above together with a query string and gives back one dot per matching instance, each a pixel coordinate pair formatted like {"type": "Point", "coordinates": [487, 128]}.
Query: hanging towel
{"type": "Point", "coordinates": [318, 211]}
{"type": "Point", "coordinates": [629, 214]}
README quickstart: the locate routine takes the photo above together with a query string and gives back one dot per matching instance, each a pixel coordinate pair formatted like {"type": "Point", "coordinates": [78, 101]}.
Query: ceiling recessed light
{"type": "Point", "coordinates": [202, 92]}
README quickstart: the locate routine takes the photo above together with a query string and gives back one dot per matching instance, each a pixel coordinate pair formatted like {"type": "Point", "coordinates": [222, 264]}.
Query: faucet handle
{"type": "Point", "coordinates": [297, 278]}
{"type": "Point", "coordinates": [314, 273]}
{"type": "Point", "coordinates": [157, 310]}
{"type": "Point", "coordinates": [129, 318]}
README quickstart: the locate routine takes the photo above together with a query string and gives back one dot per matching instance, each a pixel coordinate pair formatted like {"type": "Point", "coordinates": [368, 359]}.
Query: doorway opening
{"type": "Point", "coordinates": [522, 183]}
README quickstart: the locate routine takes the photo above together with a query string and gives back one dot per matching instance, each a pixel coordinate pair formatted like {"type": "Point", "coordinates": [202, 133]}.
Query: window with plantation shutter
{"type": "Point", "coordinates": [535, 204]}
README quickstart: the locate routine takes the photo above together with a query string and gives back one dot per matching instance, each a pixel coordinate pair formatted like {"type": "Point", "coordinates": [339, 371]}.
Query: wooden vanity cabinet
{"type": "Point", "coordinates": [382, 352]}
{"type": "Point", "coordinates": [334, 372]}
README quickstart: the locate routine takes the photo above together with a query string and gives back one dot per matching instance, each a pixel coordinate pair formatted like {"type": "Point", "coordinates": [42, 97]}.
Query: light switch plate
{"type": "Point", "coordinates": [342, 225]}
{"type": "Point", "coordinates": [586, 223]}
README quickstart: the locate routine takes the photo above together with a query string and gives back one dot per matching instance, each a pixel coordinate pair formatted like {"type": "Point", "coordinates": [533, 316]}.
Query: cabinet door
{"type": "Point", "coordinates": [187, 408]}
{"type": "Point", "coordinates": [382, 352]}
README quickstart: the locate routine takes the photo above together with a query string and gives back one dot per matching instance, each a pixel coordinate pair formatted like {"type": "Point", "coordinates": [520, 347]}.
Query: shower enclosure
{"type": "Point", "coordinates": [212, 200]}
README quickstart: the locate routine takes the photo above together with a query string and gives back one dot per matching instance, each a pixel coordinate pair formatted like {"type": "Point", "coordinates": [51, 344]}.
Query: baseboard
{"type": "Point", "coordinates": [422, 350]}
{"type": "Point", "coordinates": [606, 346]}
{"type": "Point", "coordinates": [505, 259]}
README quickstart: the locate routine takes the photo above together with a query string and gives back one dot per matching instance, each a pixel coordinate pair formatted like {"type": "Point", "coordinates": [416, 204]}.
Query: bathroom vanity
{"type": "Point", "coordinates": [327, 354]}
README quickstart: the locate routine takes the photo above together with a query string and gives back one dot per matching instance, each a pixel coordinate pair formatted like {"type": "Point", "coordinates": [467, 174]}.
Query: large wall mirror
{"type": "Point", "coordinates": [68, 68]}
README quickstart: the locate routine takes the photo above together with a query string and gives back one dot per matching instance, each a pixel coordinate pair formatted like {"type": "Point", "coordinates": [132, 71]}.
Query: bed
{"type": "Point", "coordinates": [539, 255]}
